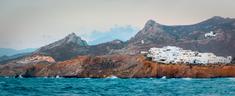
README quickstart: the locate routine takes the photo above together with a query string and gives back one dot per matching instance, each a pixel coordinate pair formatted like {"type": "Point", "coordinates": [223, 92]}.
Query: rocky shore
{"type": "Point", "coordinates": [122, 66]}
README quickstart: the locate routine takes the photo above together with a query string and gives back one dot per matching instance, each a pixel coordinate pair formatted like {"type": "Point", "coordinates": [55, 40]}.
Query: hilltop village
{"type": "Point", "coordinates": [176, 55]}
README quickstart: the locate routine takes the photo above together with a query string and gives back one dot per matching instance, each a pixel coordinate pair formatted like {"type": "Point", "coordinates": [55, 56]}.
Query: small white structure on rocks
{"type": "Point", "coordinates": [173, 54]}
{"type": "Point", "coordinates": [142, 41]}
{"type": "Point", "coordinates": [210, 34]}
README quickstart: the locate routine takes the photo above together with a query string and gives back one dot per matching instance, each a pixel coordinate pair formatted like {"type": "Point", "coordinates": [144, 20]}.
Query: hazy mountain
{"type": "Point", "coordinates": [8, 54]}
{"type": "Point", "coordinates": [123, 33]}
{"type": "Point", "coordinates": [4, 59]}
{"type": "Point", "coordinates": [9, 51]}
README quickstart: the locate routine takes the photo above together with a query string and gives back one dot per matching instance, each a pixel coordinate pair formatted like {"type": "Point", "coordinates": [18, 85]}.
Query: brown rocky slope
{"type": "Point", "coordinates": [123, 66]}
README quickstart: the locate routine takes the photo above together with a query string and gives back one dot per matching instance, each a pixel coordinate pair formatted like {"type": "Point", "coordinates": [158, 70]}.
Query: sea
{"type": "Point", "coordinates": [47, 86]}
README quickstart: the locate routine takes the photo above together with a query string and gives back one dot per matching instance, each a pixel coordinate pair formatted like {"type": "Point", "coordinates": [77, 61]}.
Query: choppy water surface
{"type": "Point", "coordinates": [116, 87]}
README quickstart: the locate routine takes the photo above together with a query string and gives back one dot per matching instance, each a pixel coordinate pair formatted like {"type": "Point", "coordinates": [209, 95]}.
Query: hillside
{"type": "Point", "coordinates": [153, 34]}
{"type": "Point", "coordinates": [188, 36]}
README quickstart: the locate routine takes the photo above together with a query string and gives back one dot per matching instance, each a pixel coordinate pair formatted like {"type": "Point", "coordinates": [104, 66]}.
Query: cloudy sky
{"type": "Point", "coordinates": [34, 23]}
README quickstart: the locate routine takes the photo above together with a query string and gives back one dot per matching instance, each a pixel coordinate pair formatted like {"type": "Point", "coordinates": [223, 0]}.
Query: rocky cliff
{"type": "Point", "coordinates": [123, 66]}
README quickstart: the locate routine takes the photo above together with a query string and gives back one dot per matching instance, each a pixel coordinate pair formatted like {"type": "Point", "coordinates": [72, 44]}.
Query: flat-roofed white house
{"type": "Point", "coordinates": [210, 34]}
{"type": "Point", "coordinates": [173, 54]}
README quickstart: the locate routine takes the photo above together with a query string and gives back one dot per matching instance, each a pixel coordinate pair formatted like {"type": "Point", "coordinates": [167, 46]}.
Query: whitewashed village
{"type": "Point", "coordinates": [177, 55]}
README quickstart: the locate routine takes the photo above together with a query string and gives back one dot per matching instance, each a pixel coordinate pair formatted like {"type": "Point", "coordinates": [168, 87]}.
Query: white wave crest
{"type": "Point", "coordinates": [187, 78]}
{"type": "Point", "coordinates": [112, 77]}
{"type": "Point", "coordinates": [232, 79]}
{"type": "Point", "coordinates": [6, 77]}
{"type": "Point", "coordinates": [57, 76]}
{"type": "Point", "coordinates": [163, 77]}
{"type": "Point", "coordinates": [20, 76]}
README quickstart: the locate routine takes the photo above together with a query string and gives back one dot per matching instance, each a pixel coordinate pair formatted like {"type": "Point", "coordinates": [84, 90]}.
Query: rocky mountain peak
{"type": "Point", "coordinates": [116, 41]}
{"type": "Point", "coordinates": [71, 35]}
{"type": "Point", "coordinates": [69, 39]}
{"type": "Point", "coordinates": [151, 24]}
{"type": "Point", "coordinates": [73, 38]}
{"type": "Point", "coordinates": [217, 18]}
{"type": "Point", "coordinates": [150, 28]}
{"type": "Point", "coordinates": [71, 45]}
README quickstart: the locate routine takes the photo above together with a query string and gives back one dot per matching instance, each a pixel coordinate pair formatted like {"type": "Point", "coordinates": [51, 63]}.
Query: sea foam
{"type": "Point", "coordinates": [187, 78]}
{"type": "Point", "coordinates": [112, 77]}
{"type": "Point", "coordinates": [164, 77]}
{"type": "Point", "coordinates": [232, 79]}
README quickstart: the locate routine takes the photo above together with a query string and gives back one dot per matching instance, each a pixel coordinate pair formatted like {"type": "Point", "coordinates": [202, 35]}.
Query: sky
{"type": "Point", "coordinates": [35, 23]}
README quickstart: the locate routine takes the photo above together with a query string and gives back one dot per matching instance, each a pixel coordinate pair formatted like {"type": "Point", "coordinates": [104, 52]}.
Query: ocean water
{"type": "Point", "coordinates": [116, 87]}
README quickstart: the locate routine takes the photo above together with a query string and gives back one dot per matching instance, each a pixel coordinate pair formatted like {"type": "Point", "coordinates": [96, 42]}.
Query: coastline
{"type": "Point", "coordinates": [121, 66]}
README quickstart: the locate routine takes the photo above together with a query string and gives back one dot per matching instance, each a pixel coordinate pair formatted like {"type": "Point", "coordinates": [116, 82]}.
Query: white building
{"type": "Point", "coordinates": [210, 34]}
{"type": "Point", "coordinates": [142, 41]}
{"type": "Point", "coordinates": [172, 54]}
